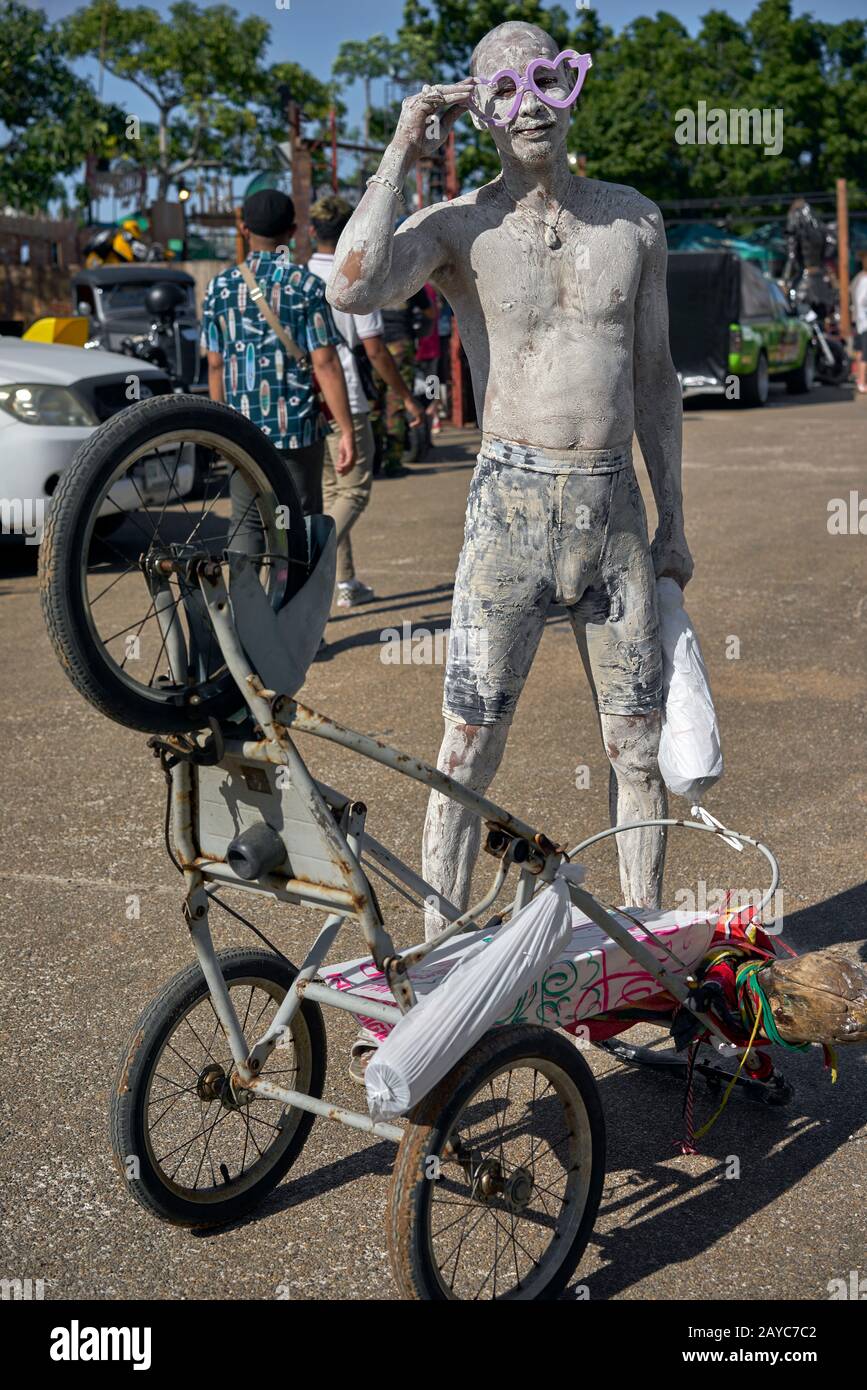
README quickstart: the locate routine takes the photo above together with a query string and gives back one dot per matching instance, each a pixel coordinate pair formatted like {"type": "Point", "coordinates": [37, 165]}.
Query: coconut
{"type": "Point", "coordinates": [819, 997]}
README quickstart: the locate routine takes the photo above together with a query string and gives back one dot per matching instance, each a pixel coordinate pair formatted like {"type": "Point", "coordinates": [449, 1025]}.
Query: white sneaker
{"type": "Point", "coordinates": [351, 592]}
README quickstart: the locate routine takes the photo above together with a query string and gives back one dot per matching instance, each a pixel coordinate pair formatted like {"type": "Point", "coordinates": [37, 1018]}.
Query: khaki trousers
{"type": "Point", "coordinates": [345, 497]}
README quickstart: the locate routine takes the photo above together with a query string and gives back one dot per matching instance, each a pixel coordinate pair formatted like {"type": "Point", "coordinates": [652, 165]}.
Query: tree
{"type": "Point", "coordinates": [201, 69]}
{"type": "Point", "coordinates": [285, 82]}
{"type": "Point", "coordinates": [454, 27]}
{"type": "Point", "coordinates": [625, 120]}
{"type": "Point", "coordinates": [364, 61]}
{"type": "Point", "coordinates": [51, 118]}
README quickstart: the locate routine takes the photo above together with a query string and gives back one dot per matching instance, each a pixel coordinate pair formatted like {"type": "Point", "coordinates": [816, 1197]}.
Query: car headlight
{"type": "Point", "coordinates": [36, 404]}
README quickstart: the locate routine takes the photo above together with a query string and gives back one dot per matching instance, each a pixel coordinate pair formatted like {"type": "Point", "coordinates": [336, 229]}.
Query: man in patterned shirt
{"type": "Point", "coordinates": [248, 367]}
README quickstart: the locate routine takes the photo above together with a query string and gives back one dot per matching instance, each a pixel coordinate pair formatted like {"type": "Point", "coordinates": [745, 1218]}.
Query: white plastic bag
{"type": "Point", "coordinates": [487, 980]}
{"type": "Point", "coordinates": [690, 755]}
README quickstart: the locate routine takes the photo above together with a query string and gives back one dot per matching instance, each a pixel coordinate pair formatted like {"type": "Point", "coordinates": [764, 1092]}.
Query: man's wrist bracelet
{"type": "Point", "coordinates": [386, 183]}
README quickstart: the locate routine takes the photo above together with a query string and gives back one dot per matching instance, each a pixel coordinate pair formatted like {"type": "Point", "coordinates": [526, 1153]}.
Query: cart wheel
{"type": "Point", "coordinates": [498, 1178]}
{"type": "Point", "coordinates": [191, 1152]}
{"type": "Point", "coordinates": [124, 613]}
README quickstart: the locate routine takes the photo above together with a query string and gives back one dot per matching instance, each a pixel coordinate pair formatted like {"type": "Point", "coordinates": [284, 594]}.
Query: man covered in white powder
{"type": "Point", "coordinates": [558, 286]}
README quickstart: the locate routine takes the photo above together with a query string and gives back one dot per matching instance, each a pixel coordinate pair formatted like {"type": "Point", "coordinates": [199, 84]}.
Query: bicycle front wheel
{"type": "Point", "coordinates": [191, 1150]}
{"type": "Point", "coordinates": [119, 597]}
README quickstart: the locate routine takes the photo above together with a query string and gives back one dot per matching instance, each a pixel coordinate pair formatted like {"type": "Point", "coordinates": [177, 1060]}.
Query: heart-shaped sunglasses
{"type": "Point", "coordinates": [526, 82]}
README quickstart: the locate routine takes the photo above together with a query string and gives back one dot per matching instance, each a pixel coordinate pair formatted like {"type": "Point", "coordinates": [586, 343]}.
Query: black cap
{"type": "Point", "coordinates": [269, 213]}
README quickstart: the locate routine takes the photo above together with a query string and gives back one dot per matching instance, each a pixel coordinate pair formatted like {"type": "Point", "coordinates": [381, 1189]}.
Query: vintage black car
{"type": "Point", "coordinates": [146, 311]}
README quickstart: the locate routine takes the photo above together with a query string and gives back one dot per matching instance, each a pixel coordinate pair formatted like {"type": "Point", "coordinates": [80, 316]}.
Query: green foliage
{"type": "Point", "coordinates": [191, 55]}
{"type": "Point", "coordinates": [290, 80]}
{"type": "Point", "coordinates": [201, 67]}
{"type": "Point", "coordinates": [452, 28]}
{"type": "Point", "coordinates": [52, 118]}
{"type": "Point", "coordinates": [209, 99]}
{"type": "Point", "coordinates": [625, 120]}
{"type": "Point", "coordinates": [366, 59]}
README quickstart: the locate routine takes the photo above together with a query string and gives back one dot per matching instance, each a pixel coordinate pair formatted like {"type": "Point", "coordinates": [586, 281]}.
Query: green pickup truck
{"type": "Point", "coordinates": [730, 329]}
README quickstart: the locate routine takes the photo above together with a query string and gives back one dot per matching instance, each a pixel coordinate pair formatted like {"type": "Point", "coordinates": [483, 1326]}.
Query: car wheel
{"type": "Point", "coordinates": [756, 385]}
{"type": "Point", "coordinates": [802, 380]}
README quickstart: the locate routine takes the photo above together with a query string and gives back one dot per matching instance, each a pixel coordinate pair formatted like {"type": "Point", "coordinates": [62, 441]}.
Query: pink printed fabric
{"type": "Point", "coordinates": [590, 976]}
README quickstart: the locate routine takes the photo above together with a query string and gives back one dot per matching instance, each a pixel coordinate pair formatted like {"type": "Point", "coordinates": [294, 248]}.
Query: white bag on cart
{"type": "Point", "coordinates": [487, 980]}
{"type": "Point", "coordinates": [690, 754]}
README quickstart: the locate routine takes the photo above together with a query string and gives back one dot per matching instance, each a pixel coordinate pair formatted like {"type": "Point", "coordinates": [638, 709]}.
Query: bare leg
{"type": "Point", "coordinates": [637, 792]}
{"type": "Point", "coordinates": [471, 755]}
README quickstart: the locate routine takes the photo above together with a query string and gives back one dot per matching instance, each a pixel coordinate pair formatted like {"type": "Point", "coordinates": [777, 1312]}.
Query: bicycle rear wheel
{"type": "Point", "coordinates": [119, 597]}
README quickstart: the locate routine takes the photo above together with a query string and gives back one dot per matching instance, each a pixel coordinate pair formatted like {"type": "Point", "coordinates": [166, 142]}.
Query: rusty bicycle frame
{"type": "Point", "coordinates": [339, 824]}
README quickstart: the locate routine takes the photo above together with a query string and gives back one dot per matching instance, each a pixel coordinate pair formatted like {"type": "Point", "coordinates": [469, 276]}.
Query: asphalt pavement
{"type": "Point", "coordinates": [779, 601]}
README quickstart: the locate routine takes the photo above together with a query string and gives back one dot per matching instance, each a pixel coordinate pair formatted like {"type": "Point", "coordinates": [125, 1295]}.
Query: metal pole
{"type": "Point", "coordinates": [240, 246]}
{"type": "Point", "coordinates": [302, 185]}
{"type": "Point", "coordinates": [302, 179]}
{"type": "Point", "coordinates": [332, 118]}
{"type": "Point", "coordinates": [326, 1110]}
{"type": "Point", "coordinates": [843, 257]}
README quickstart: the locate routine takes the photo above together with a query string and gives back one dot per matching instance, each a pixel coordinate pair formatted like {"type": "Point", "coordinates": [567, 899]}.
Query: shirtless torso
{"type": "Point", "coordinates": [530, 316]}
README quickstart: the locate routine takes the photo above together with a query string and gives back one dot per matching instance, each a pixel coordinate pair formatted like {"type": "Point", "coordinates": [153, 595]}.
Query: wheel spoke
{"type": "Point", "coordinates": [519, 1156]}
{"type": "Point", "coordinates": [171, 623]}
{"type": "Point", "coordinates": [205, 1049]}
{"type": "Point", "coordinates": [256, 1119]}
{"type": "Point", "coordinates": [183, 1059]}
{"type": "Point", "coordinates": [171, 1103]}
{"type": "Point", "coordinates": [457, 1248]}
{"type": "Point", "coordinates": [156, 524]}
{"type": "Point", "coordinates": [522, 1248]}
{"type": "Point", "coordinates": [130, 569]}
{"type": "Point", "coordinates": [204, 516]}
{"type": "Point", "coordinates": [206, 1150]}
{"type": "Point", "coordinates": [198, 1151]}
{"type": "Point", "coordinates": [172, 480]}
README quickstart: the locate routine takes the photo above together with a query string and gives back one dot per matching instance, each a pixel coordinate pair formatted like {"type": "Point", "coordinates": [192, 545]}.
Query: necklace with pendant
{"type": "Point", "coordinates": [552, 240]}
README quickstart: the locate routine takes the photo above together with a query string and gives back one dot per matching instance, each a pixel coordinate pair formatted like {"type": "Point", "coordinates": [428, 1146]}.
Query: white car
{"type": "Point", "coordinates": [52, 398]}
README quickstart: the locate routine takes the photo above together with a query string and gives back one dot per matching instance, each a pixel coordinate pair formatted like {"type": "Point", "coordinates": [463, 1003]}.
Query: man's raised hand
{"type": "Point", "coordinates": [427, 117]}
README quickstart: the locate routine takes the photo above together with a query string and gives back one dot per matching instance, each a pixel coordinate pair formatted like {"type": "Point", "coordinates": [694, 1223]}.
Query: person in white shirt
{"type": "Point", "coordinates": [346, 494]}
{"type": "Point", "coordinates": [859, 304]}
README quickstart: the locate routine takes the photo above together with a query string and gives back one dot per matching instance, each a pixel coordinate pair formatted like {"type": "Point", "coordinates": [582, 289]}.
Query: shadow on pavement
{"type": "Point", "coordinates": [778, 398]}
{"type": "Point", "coordinates": [671, 1216]}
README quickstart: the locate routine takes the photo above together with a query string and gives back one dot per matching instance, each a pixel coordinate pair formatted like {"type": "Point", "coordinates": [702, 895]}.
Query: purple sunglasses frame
{"type": "Point", "coordinates": [582, 61]}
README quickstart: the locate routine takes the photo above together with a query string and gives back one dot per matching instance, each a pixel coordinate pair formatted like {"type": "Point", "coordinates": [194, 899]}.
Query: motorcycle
{"type": "Point", "coordinates": [832, 360]}
{"type": "Point", "coordinates": [120, 246]}
{"type": "Point", "coordinates": [168, 344]}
